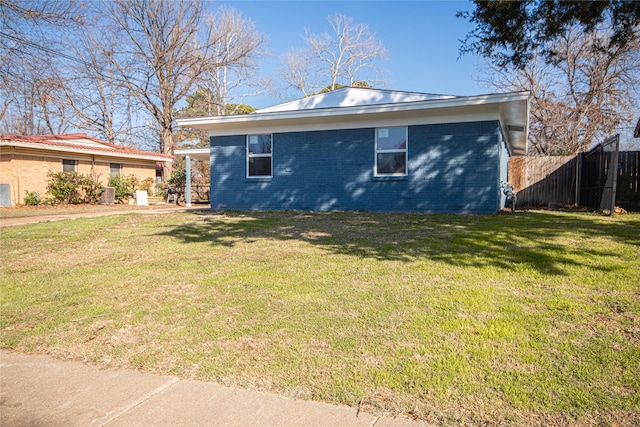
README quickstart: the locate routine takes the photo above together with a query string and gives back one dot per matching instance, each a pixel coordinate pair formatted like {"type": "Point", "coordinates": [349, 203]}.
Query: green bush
{"type": "Point", "coordinates": [178, 177]}
{"type": "Point", "coordinates": [32, 198]}
{"type": "Point", "coordinates": [73, 188]}
{"type": "Point", "coordinates": [124, 186]}
{"type": "Point", "coordinates": [148, 185]}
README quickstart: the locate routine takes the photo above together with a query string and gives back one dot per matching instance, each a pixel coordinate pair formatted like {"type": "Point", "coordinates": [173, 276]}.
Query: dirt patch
{"type": "Point", "coordinates": [36, 211]}
{"type": "Point", "coordinates": [31, 214]}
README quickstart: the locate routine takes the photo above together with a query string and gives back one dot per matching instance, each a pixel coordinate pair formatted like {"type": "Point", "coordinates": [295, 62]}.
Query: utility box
{"type": "Point", "coordinates": [108, 196]}
{"type": "Point", "coordinates": [5, 195]}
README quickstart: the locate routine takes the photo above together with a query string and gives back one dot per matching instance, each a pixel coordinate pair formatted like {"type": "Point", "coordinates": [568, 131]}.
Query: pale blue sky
{"type": "Point", "coordinates": [422, 37]}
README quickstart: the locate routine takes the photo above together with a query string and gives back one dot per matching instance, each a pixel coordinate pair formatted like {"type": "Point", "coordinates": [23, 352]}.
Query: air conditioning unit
{"type": "Point", "coordinates": [108, 196]}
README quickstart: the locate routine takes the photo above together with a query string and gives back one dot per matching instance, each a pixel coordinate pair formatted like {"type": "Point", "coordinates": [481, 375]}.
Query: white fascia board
{"type": "Point", "coordinates": [202, 153]}
{"type": "Point", "coordinates": [187, 151]}
{"type": "Point", "coordinates": [509, 109]}
{"type": "Point", "coordinates": [82, 141]}
{"type": "Point", "coordinates": [245, 120]}
{"type": "Point", "coordinates": [76, 150]}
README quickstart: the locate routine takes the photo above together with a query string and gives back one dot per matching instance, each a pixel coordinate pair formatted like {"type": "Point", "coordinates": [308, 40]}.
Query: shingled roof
{"type": "Point", "coordinates": [80, 143]}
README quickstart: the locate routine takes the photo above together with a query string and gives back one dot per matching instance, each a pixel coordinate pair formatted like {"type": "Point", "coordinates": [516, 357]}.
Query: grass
{"type": "Point", "coordinates": [502, 320]}
{"type": "Point", "coordinates": [58, 210]}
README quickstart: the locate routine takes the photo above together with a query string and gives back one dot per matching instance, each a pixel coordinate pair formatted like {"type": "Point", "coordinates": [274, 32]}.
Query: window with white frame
{"type": "Point", "coordinates": [115, 169]}
{"type": "Point", "coordinates": [259, 150]}
{"type": "Point", "coordinates": [69, 165]}
{"type": "Point", "coordinates": [391, 151]}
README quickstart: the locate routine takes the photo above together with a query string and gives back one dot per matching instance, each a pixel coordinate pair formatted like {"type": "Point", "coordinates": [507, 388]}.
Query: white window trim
{"type": "Point", "coordinates": [249, 156]}
{"type": "Point", "coordinates": [395, 150]}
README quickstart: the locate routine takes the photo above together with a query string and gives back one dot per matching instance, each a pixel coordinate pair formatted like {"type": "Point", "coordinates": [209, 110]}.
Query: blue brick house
{"type": "Point", "coordinates": [357, 149]}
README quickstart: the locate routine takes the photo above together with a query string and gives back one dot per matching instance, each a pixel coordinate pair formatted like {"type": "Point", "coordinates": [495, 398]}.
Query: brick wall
{"type": "Point", "coordinates": [451, 168]}
{"type": "Point", "coordinates": [26, 170]}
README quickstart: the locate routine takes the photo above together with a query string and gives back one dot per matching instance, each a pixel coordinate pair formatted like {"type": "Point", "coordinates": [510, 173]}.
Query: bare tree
{"type": "Point", "coordinates": [32, 99]}
{"type": "Point", "coordinates": [579, 98]}
{"type": "Point", "coordinates": [29, 91]}
{"type": "Point", "coordinates": [160, 56]}
{"type": "Point", "coordinates": [296, 72]}
{"type": "Point", "coordinates": [26, 24]}
{"type": "Point", "coordinates": [348, 54]}
{"type": "Point", "coordinates": [99, 103]}
{"type": "Point", "coordinates": [235, 79]}
{"type": "Point", "coordinates": [168, 48]}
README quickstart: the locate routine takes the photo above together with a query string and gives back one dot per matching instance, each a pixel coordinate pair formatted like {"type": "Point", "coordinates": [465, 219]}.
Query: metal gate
{"type": "Point", "coordinates": [597, 175]}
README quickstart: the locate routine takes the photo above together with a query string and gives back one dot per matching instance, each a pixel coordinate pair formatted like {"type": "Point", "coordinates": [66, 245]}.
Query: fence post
{"type": "Point", "coordinates": [613, 172]}
{"type": "Point", "coordinates": [578, 177]}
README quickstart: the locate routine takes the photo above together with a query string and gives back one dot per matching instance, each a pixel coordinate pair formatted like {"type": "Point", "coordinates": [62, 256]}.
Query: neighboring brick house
{"type": "Point", "coordinates": [26, 160]}
{"type": "Point", "coordinates": [367, 149]}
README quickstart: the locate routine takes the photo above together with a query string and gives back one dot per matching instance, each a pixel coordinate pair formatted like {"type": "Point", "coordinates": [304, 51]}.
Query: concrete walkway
{"type": "Point", "coordinates": [38, 390]}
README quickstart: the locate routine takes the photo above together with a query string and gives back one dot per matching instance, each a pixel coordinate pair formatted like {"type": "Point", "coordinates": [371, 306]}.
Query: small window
{"type": "Point", "coordinates": [115, 169]}
{"type": "Point", "coordinates": [69, 165]}
{"type": "Point", "coordinates": [259, 156]}
{"type": "Point", "coordinates": [391, 152]}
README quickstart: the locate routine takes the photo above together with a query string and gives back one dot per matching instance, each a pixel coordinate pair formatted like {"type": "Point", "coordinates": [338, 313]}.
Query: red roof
{"type": "Point", "coordinates": [73, 141]}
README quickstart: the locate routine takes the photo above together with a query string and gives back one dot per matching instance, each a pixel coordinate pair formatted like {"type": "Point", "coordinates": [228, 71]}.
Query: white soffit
{"type": "Point", "coordinates": [201, 153]}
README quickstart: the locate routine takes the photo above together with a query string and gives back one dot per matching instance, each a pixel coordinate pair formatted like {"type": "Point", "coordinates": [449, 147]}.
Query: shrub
{"type": "Point", "coordinates": [160, 190]}
{"type": "Point", "coordinates": [32, 198]}
{"type": "Point", "coordinates": [124, 186]}
{"type": "Point", "coordinates": [148, 185]}
{"type": "Point", "coordinates": [178, 177]}
{"type": "Point", "coordinates": [73, 188]}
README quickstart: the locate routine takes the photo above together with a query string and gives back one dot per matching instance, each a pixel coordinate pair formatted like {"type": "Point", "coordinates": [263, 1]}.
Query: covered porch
{"type": "Point", "coordinates": [190, 154]}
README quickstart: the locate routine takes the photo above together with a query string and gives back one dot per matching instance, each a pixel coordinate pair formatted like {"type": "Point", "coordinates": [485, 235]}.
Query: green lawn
{"type": "Point", "coordinates": [511, 319]}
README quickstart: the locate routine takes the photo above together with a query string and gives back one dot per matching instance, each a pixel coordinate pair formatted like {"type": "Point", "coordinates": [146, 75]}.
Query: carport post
{"type": "Point", "coordinates": [187, 168]}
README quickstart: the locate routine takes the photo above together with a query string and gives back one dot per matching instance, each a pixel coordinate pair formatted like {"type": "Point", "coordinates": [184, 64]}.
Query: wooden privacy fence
{"type": "Point", "coordinates": [628, 185]}
{"type": "Point", "coordinates": [598, 175]}
{"type": "Point", "coordinates": [539, 181]}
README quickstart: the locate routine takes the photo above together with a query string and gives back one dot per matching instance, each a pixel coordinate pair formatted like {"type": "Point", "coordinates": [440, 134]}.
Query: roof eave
{"type": "Point", "coordinates": [515, 115]}
{"type": "Point", "coordinates": [80, 150]}
{"type": "Point", "coordinates": [202, 122]}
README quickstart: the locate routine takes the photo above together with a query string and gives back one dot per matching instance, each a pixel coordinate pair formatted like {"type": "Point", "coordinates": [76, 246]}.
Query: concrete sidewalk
{"type": "Point", "coordinates": [38, 390]}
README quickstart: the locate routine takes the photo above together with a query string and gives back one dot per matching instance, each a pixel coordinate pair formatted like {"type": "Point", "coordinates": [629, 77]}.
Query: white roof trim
{"type": "Point", "coordinates": [81, 142]}
{"type": "Point", "coordinates": [80, 150]}
{"type": "Point", "coordinates": [202, 153]}
{"type": "Point", "coordinates": [511, 109]}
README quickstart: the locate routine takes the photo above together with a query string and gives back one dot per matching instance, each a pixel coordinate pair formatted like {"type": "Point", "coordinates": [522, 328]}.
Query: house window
{"type": "Point", "coordinates": [115, 169]}
{"type": "Point", "coordinates": [391, 152]}
{"type": "Point", "coordinates": [69, 165]}
{"type": "Point", "coordinates": [259, 156]}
